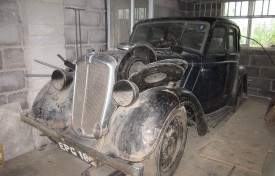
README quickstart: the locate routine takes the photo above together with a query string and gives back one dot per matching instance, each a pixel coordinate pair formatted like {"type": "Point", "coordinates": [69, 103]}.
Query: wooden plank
{"type": "Point", "coordinates": [244, 140]}
{"type": "Point", "coordinates": [236, 154]}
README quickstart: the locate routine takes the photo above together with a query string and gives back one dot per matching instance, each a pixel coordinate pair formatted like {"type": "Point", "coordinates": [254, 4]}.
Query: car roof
{"type": "Point", "coordinates": [211, 20]}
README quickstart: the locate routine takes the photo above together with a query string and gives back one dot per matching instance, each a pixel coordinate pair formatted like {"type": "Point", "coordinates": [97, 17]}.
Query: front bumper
{"type": "Point", "coordinates": [135, 170]}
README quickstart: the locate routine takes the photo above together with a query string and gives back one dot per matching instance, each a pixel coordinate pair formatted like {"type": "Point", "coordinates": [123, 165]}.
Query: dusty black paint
{"type": "Point", "coordinates": [52, 105]}
{"type": "Point", "coordinates": [173, 73]}
{"type": "Point", "coordinates": [134, 125]}
{"type": "Point", "coordinates": [211, 77]}
{"type": "Point", "coordinates": [209, 83]}
{"type": "Point", "coordinates": [189, 100]}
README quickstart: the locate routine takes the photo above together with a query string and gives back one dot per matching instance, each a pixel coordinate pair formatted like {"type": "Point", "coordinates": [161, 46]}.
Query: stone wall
{"type": "Point", "coordinates": [13, 87]}
{"type": "Point", "coordinates": [38, 29]}
{"type": "Point", "coordinates": [261, 72]}
{"type": "Point", "coordinates": [15, 136]}
{"type": "Point", "coordinates": [43, 36]}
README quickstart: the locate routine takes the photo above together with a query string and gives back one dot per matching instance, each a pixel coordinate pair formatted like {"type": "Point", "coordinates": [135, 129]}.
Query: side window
{"type": "Point", "coordinates": [217, 43]}
{"type": "Point", "coordinates": [232, 41]}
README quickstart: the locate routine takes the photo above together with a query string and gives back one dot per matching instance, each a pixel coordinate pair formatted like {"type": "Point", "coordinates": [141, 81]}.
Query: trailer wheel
{"type": "Point", "coordinates": [169, 150]}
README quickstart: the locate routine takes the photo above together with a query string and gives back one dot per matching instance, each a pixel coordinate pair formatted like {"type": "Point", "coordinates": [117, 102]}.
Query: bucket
{"type": "Point", "coordinates": [1, 157]}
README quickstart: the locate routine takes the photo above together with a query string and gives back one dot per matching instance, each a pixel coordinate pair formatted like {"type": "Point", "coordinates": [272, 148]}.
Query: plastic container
{"type": "Point", "coordinates": [1, 157]}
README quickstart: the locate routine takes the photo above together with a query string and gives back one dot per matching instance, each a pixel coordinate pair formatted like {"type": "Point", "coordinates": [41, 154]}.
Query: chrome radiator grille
{"type": "Point", "coordinates": [91, 87]}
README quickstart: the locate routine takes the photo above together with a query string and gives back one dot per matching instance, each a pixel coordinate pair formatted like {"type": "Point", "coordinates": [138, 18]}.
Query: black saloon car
{"type": "Point", "coordinates": [130, 108]}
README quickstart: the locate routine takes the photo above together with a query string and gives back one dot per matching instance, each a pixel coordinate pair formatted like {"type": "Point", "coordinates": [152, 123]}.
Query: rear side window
{"type": "Point", "coordinates": [217, 44]}
{"type": "Point", "coordinates": [232, 41]}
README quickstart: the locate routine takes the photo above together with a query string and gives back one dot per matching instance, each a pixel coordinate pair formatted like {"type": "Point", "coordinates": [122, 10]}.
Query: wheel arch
{"type": "Point", "coordinates": [190, 101]}
{"type": "Point", "coordinates": [135, 130]}
{"type": "Point", "coordinates": [53, 105]}
{"type": "Point", "coordinates": [239, 83]}
{"type": "Point", "coordinates": [245, 84]}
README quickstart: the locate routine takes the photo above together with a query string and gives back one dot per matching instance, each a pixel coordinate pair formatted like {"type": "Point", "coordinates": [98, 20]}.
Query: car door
{"type": "Point", "coordinates": [232, 60]}
{"type": "Point", "coordinates": [212, 78]}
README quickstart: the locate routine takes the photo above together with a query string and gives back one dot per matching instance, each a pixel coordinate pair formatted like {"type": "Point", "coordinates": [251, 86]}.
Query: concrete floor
{"type": "Point", "coordinates": [199, 158]}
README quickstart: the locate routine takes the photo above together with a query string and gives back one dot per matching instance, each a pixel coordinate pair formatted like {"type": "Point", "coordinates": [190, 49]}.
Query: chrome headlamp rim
{"type": "Point", "coordinates": [125, 92]}
{"type": "Point", "coordinates": [61, 79]}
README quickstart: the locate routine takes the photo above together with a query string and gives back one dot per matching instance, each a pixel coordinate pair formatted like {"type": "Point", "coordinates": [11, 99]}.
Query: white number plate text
{"type": "Point", "coordinates": [75, 152]}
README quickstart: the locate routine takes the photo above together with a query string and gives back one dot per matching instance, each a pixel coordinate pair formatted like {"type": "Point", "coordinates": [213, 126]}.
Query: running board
{"type": "Point", "coordinates": [214, 118]}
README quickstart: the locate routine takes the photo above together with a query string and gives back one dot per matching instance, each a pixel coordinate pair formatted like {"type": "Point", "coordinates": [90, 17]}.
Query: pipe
{"type": "Point", "coordinates": [106, 25]}
{"type": "Point", "coordinates": [37, 75]}
{"type": "Point", "coordinates": [48, 65]}
{"type": "Point", "coordinates": [79, 26]}
{"type": "Point", "coordinates": [76, 38]}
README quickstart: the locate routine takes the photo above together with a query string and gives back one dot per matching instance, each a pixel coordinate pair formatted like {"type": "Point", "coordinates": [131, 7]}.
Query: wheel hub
{"type": "Point", "coordinates": [136, 66]}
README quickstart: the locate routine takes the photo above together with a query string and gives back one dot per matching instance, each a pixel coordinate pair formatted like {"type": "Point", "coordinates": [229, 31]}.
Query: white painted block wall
{"type": "Point", "coordinates": [38, 29]}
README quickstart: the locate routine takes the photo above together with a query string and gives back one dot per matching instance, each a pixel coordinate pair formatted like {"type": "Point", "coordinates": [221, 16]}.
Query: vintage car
{"type": "Point", "coordinates": [130, 108]}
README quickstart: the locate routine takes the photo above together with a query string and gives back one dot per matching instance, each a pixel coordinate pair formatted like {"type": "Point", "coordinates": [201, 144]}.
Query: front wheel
{"type": "Point", "coordinates": [169, 150]}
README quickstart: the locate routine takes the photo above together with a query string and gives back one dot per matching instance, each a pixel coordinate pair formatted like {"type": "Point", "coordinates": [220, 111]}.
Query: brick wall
{"type": "Point", "coordinates": [43, 36]}
{"type": "Point", "coordinates": [38, 29]}
{"type": "Point", "coordinates": [261, 72]}
{"type": "Point", "coordinates": [92, 26]}
{"type": "Point", "coordinates": [13, 87]}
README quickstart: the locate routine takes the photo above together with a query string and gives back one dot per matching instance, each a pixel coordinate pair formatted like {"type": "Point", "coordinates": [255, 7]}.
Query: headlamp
{"type": "Point", "coordinates": [125, 92]}
{"type": "Point", "coordinates": [60, 79]}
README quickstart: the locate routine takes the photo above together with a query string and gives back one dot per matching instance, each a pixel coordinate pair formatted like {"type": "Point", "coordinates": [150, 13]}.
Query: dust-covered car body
{"type": "Point", "coordinates": [124, 107]}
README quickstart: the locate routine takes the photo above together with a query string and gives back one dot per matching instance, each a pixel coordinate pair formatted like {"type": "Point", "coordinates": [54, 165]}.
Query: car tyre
{"type": "Point", "coordinates": [132, 65]}
{"type": "Point", "coordinates": [241, 94]}
{"type": "Point", "coordinates": [168, 153]}
{"type": "Point", "coordinates": [134, 60]}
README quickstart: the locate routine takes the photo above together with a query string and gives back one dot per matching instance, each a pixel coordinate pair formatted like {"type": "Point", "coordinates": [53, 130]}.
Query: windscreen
{"type": "Point", "coordinates": [189, 35]}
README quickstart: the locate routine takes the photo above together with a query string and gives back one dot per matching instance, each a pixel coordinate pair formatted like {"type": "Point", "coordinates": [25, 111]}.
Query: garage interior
{"type": "Point", "coordinates": [243, 144]}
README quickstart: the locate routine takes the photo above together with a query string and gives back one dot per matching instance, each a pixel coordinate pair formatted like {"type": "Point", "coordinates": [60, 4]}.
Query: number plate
{"type": "Point", "coordinates": [83, 156]}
